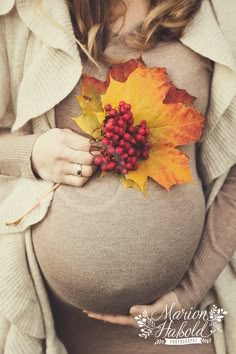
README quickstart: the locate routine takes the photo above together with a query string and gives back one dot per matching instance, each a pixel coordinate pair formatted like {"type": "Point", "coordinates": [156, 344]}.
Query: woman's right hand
{"type": "Point", "coordinates": [57, 153]}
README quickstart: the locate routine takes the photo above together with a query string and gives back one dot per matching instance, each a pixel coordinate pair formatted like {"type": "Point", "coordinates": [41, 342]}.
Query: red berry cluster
{"type": "Point", "coordinates": [122, 142]}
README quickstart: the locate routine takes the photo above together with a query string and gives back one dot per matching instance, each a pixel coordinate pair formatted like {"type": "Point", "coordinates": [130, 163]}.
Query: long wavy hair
{"type": "Point", "coordinates": [166, 20]}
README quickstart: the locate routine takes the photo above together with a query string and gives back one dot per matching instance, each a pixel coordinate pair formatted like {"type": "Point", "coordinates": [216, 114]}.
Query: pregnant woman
{"type": "Point", "coordinates": [103, 249]}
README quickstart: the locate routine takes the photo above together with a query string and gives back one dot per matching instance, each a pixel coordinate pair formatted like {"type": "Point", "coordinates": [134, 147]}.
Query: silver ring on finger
{"type": "Point", "coordinates": [79, 170]}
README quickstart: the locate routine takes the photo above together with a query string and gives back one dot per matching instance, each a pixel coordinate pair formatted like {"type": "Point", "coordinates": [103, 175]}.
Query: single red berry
{"type": "Point", "coordinates": [149, 145]}
{"type": "Point", "coordinates": [141, 131]}
{"type": "Point", "coordinates": [117, 168]}
{"type": "Point", "coordinates": [116, 129]}
{"type": "Point", "coordinates": [126, 116]}
{"type": "Point", "coordinates": [138, 137]}
{"type": "Point", "coordinates": [119, 150]}
{"type": "Point", "coordinates": [135, 166]}
{"type": "Point", "coordinates": [145, 155]}
{"type": "Point", "coordinates": [107, 107]}
{"type": "Point", "coordinates": [112, 112]}
{"type": "Point", "coordinates": [121, 123]}
{"type": "Point", "coordinates": [147, 131]}
{"type": "Point", "coordinates": [134, 159]}
{"type": "Point", "coordinates": [108, 127]}
{"type": "Point", "coordinates": [122, 163]}
{"type": "Point", "coordinates": [111, 165]}
{"type": "Point", "coordinates": [104, 167]}
{"type": "Point", "coordinates": [97, 160]}
{"type": "Point", "coordinates": [124, 171]}
{"type": "Point", "coordinates": [131, 151]}
{"type": "Point", "coordinates": [129, 166]}
{"type": "Point", "coordinates": [124, 156]}
{"type": "Point", "coordinates": [121, 103]}
{"type": "Point", "coordinates": [116, 137]}
{"type": "Point", "coordinates": [111, 150]}
{"type": "Point", "coordinates": [105, 141]}
{"type": "Point", "coordinates": [130, 129]}
{"type": "Point", "coordinates": [127, 137]}
{"type": "Point", "coordinates": [106, 159]}
{"type": "Point", "coordinates": [127, 146]}
{"type": "Point", "coordinates": [130, 121]}
{"type": "Point", "coordinates": [121, 132]}
{"type": "Point", "coordinates": [133, 141]}
{"type": "Point", "coordinates": [122, 142]}
{"type": "Point", "coordinates": [143, 122]}
{"type": "Point", "coordinates": [111, 120]}
{"type": "Point", "coordinates": [109, 135]}
{"type": "Point", "coordinates": [128, 106]}
{"type": "Point", "coordinates": [138, 153]}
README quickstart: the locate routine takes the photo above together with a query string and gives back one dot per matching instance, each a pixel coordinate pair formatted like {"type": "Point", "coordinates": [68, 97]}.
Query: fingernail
{"type": "Point", "coordinates": [135, 310]}
{"type": "Point", "coordinates": [90, 315]}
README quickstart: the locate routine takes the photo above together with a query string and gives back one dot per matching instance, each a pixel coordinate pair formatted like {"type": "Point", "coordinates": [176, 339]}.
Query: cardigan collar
{"type": "Point", "coordinates": [204, 36]}
{"type": "Point", "coordinates": [61, 56]}
{"type": "Point", "coordinates": [6, 6]}
{"type": "Point", "coordinates": [49, 21]}
{"type": "Point", "coordinates": [51, 24]}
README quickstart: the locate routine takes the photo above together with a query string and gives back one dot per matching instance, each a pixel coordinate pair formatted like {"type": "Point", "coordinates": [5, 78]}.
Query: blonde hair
{"type": "Point", "coordinates": [167, 20]}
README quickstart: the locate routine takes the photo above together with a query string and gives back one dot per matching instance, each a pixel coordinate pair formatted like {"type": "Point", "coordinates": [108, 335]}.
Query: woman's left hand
{"type": "Point", "coordinates": [128, 320]}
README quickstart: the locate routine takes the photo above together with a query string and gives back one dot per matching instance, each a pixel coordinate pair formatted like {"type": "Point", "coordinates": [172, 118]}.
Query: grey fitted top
{"type": "Point", "coordinates": [104, 248]}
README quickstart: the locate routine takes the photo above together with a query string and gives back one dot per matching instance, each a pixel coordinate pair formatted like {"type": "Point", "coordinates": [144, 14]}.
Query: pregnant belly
{"type": "Point", "coordinates": [104, 249]}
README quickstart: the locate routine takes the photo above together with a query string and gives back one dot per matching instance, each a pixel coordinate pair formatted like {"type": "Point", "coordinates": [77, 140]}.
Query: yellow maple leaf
{"type": "Point", "coordinates": [168, 111]}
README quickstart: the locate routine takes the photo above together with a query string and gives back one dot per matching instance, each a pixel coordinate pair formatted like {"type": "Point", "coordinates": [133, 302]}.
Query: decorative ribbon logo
{"type": "Point", "coordinates": [161, 327]}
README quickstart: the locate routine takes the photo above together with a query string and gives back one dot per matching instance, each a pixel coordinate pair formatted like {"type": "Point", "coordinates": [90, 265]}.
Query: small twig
{"type": "Point", "coordinates": [16, 222]}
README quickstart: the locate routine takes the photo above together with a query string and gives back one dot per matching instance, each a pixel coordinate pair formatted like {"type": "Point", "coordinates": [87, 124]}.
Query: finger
{"type": "Point", "coordinates": [158, 306]}
{"type": "Point", "coordinates": [72, 168]}
{"type": "Point", "coordinates": [82, 157]}
{"type": "Point", "coordinates": [76, 141]}
{"type": "Point", "coordinates": [75, 181]}
{"type": "Point", "coordinates": [116, 319]}
{"type": "Point", "coordinates": [139, 309]}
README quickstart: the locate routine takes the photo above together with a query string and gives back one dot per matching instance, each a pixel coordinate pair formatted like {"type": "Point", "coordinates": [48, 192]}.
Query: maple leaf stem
{"type": "Point", "coordinates": [94, 142]}
{"type": "Point", "coordinates": [16, 222]}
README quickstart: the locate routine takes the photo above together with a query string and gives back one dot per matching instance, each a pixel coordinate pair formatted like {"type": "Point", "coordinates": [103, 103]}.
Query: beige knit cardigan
{"type": "Point", "coordinates": [39, 67]}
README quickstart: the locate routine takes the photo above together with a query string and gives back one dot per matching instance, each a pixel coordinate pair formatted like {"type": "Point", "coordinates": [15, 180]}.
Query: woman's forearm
{"type": "Point", "coordinates": [15, 154]}
{"type": "Point", "coordinates": [217, 245]}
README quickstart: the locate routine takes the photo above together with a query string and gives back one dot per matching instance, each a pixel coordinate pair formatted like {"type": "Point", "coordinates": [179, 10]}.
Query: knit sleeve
{"type": "Point", "coordinates": [15, 151]}
{"type": "Point", "coordinates": [15, 155]}
{"type": "Point", "coordinates": [217, 245]}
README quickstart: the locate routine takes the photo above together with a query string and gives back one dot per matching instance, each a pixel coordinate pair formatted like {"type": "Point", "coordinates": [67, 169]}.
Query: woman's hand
{"type": "Point", "coordinates": [58, 152]}
{"type": "Point", "coordinates": [128, 320]}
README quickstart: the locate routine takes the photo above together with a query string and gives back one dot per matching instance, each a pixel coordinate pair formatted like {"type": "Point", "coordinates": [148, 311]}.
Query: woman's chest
{"type": "Point", "coordinates": [187, 69]}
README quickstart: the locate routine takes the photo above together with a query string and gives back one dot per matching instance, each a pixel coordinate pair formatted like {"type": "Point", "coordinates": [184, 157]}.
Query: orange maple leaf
{"type": "Point", "coordinates": [168, 111]}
